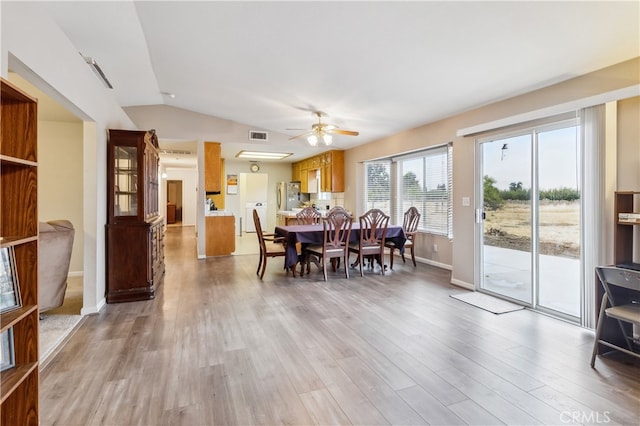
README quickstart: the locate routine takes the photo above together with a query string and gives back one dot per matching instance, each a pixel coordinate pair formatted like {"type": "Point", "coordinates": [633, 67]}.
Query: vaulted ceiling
{"type": "Point", "coordinates": [375, 67]}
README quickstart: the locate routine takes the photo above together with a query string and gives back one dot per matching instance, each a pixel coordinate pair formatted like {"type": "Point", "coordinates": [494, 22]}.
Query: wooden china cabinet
{"type": "Point", "coordinates": [135, 228]}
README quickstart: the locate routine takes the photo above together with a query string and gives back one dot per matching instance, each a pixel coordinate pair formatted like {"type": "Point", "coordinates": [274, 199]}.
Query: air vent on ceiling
{"type": "Point", "coordinates": [255, 135]}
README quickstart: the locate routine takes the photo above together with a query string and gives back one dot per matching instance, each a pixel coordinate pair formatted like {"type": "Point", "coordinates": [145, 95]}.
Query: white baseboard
{"type": "Point", "coordinates": [427, 262]}
{"type": "Point", "coordinates": [434, 263]}
{"type": "Point", "coordinates": [463, 284]}
{"type": "Point", "coordinates": [92, 310]}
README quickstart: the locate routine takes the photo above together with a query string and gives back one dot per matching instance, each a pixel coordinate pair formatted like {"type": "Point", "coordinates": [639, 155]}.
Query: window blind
{"type": "Point", "coordinates": [378, 185]}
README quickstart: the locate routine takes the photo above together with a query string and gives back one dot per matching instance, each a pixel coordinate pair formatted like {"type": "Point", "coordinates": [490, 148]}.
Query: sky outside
{"type": "Point", "coordinates": [558, 160]}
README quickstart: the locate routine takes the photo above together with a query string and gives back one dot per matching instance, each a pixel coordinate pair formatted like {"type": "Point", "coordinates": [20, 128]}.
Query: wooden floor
{"type": "Point", "coordinates": [220, 347]}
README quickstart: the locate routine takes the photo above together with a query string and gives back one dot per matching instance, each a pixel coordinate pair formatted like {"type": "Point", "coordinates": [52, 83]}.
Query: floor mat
{"type": "Point", "coordinates": [486, 302]}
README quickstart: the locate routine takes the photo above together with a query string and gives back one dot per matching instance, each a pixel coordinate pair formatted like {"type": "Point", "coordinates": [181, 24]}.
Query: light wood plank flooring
{"type": "Point", "coordinates": [220, 347]}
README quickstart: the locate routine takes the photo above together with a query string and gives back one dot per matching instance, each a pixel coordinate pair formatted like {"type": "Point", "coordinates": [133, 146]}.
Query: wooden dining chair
{"type": "Point", "coordinates": [621, 289]}
{"type": "Point", "coordinates": [308, 216]}
{"type": "Point", "coordinates": [373, 227]}
{"type": "Point", "coordinates": [270, 246]}
{"type": "Point", "coordinates": [335, 241]}
{"type": "Point", "coordinates": [410, 226]}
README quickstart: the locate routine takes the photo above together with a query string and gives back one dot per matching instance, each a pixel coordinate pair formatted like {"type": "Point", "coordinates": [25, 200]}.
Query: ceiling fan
{"type": "Point", "coordinates": [323, 132]}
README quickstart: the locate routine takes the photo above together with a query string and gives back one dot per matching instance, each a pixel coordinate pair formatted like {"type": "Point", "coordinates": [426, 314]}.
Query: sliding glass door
{"type": "Point", "coordinates": [507, 246]}
{"type": "Point", "coordinates": [529, 224]}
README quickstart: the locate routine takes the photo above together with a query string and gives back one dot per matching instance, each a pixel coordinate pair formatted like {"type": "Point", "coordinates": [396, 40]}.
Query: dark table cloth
{"type": "Point", "coordinates": [312, 234]}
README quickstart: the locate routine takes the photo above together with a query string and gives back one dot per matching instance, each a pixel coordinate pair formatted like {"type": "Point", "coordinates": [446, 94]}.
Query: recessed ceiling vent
{"type": "Point", "coordinates": [255, 135]}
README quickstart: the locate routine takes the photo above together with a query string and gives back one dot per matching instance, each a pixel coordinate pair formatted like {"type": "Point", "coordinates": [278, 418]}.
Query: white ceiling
{"type": "Point", "coordinates": [376, 67]}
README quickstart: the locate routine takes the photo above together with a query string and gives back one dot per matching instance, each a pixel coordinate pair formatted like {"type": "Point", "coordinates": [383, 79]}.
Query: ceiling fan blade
{"type": "Point", "coordinates": [344, 132]}
{"type": "Point", "coordinates": [300, 135]}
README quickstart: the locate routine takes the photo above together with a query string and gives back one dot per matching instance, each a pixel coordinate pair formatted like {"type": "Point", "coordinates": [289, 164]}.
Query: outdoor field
{"type": "Point", "coordinates": [509, 227]}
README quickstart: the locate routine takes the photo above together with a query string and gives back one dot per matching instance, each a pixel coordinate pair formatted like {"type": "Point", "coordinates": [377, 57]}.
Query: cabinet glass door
{"type": "Point", "coordinates": [126, 181]}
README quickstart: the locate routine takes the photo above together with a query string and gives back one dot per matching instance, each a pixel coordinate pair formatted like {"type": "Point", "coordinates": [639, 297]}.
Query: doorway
{"type": "Point", "coordinates": [529, 227]}
{"type": "Point", "coordinates": [174, 203]}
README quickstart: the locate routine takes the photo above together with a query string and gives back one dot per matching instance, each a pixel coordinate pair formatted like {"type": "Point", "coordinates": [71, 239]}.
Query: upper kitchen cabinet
{"type": "Point", "coordinates": [331, 167]}
{"type": "Point", "coordinates": [332, 171]}
{"type": "Point", "coordinates": [295, 172]}
{"type": "Point", "coordinates": [212, 175]}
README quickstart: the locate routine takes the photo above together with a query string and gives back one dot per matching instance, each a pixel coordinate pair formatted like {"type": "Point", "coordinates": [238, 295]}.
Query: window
{"type": "Point", "coordinates": [378, 186]}
{"type": "Point", "coordinates": [423, 179]}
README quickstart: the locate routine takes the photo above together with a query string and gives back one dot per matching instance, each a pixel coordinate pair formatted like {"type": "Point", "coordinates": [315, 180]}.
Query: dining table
{"type": "Point", "coordinates": [313, 234]}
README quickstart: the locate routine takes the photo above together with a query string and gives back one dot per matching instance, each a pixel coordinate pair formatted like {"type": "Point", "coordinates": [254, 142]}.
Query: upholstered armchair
{"type": "Point", "coordinates": [54, 255]}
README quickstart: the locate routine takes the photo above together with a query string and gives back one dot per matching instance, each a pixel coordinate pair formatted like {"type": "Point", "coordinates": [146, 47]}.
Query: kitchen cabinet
{"type": "Point", "coordinates": [332, 172]}
{"type": "Point", "coordinates": [295, 172]}
{"type": "Point", "coordinates": [19, 231]}
{"type": "Point", "coordinates": [220, 235]}
{"type": "Point", "coordinates": [135, 228]}
{"type": "Point", "coordinates": [331, 167]}
{"type": "Point", "coordinates": [304, 179]}
{"type": "Point", "coordinates": [212, 166]}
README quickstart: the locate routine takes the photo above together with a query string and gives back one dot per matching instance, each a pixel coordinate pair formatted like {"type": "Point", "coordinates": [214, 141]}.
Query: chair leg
{"type": "Point", "coordinates": [361, 261]}
{"type": "Point", "coordinates": [346, 264]}
{"type": "Point", "coordinates": [413, 257]}
{"type": "Point", "coordinates": [391, 251]}
{"type": "Point", "coordinates": [264, 266]}
{"type": "Point", "coordinates": [259, 263]}
{"type": "Point", "coordinates": [601, 316]}
{"type": "Point", "coordinates": [324, 268]}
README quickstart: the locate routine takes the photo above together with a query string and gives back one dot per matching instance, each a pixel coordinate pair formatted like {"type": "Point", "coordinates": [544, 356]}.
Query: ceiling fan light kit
{"type": "Point", "coordinates": [323, 132]}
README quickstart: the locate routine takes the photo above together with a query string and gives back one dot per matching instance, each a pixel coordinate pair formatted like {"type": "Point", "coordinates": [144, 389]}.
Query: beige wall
{"type": "Point", "coordinates": [459, 252]}
{"type": "Point", "coordinates": [629, 145]}
{"type": "Point", "coordinates": [35, 47]}
{"type": "Point", "coordinates": [60, 170]}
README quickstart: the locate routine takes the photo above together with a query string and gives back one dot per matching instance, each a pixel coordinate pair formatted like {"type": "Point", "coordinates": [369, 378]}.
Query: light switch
{"type": "Point", "coordinates": [466, 201]}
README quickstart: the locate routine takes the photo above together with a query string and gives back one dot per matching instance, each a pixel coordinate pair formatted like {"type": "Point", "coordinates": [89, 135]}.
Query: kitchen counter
{"type": "Point", "coordinates": [218, 213]}
{"type": "Point", "coordinates": [288, 217]}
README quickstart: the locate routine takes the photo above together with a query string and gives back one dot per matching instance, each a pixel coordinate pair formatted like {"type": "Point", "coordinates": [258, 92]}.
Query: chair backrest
{"type": "Point", "coordinates": [337, 208]}
{"type": "Point", "coordinates": [258, 226]}
{"type": "Point", "coordinates": [337, 229]}
{"type": "Point", "coordinates": [373, 227]}
{"type": "Point", "coordinates": [611, 277]}
{"type": "Point", "coordinates": [411, 220]}
{"type": "Point", "coordinates": [308, 216]}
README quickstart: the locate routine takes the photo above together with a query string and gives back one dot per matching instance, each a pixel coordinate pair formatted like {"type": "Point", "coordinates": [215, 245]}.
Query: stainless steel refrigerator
{"type": "Point", "coordinates": [289, 195]}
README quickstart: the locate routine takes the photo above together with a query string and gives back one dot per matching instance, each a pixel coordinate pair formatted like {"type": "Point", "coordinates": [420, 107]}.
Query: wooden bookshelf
{"type": "Point", "coordinates": [19, 229]}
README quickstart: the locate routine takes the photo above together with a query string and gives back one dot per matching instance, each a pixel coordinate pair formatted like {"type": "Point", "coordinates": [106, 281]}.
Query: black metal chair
{"type": "Point", "coordinates": [409, 225]}
{"type": "Point", "coordinates": [373, 228]}
{"type": "Point", "coordinates": [622, 296]}
{"type": "Point", "coordinates": [335, 240]}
